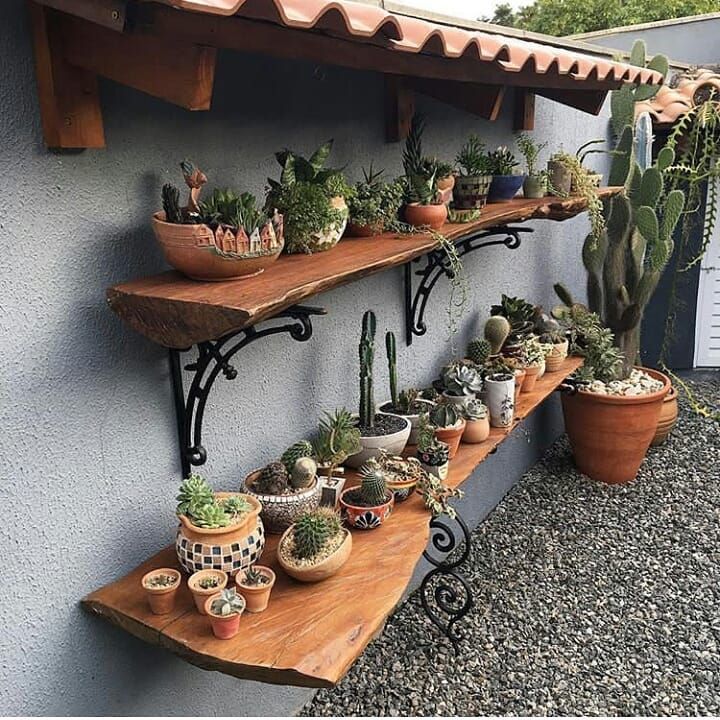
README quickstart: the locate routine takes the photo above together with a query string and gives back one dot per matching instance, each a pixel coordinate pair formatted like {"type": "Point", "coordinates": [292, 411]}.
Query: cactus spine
{"type": "Point", "coordinates": [373, 488]}
{"type": "Point", "coordinates": [479, 350]}
{"type": "Point", "coordinates": [313, 530]}
{"type": "Point", "coordinates": [367, 356]}
{"type": "Point", "coordinates": [392, 366]}
{"type": "Point", "coordinates": [497, 329]}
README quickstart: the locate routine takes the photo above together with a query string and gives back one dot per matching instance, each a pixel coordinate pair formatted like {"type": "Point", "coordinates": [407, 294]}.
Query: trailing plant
{"type": "Point", "coordinates": [337, 439]}
{"type": "Point", "coordinates": [229, 603]}
{"type": "Point", "coordinates": [445, 415]}
{"type": "Point", "coordinates": [313, 531]}
{"type": "Point", "coordinates": [437, 495]}
{"type": "Point", "coordinates": [530, 150]}
{"type": "Point", "coordinates": [472, 158]}
{"type": "Point", "coordinates": [375, 203]}
{"type": "Point", "coordinates": [462, 380]}
{"type": "Point", "coordinates": [367, 357]}
{"type": "Point", "coordinates": [501, 161]}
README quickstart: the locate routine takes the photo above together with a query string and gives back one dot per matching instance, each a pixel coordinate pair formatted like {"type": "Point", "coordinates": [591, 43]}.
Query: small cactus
{"type": "Point", "coordinates": [373, 486]}
{"type": "Point", "coordinates": [303, 473]}
{"type": "Point", "coordinates": [367, 356]}
{"type": "Point", "coordinates": [479, 350]}
{"type": "Point", "coordinates": [497, 329]}
{"type": "Point", "coordinates": [273, 479]}
{"type": "Point", "coordinates": [300, 449]}
{"type": "Point", "coordinates": [390, 348]}
{"type": "Point", "coordinates": [313, 530]}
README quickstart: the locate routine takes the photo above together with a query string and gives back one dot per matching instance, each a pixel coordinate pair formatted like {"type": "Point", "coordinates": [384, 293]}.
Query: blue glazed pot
{"type": "Point", "coordinates": [504, 187]}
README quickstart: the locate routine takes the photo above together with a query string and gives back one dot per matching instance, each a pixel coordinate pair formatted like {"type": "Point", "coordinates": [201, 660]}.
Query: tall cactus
{"type": "Point", "coordinates": [367, 356]}
{"type": "Point", "coordinates": [391, 350]}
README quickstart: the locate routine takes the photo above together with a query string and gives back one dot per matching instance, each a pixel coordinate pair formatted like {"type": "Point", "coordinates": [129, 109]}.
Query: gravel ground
{"type": "Point", "coordinates": [590, 600]}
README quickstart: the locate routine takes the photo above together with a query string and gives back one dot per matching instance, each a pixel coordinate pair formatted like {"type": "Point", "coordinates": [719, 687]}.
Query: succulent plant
{"type": "Point", "coordinates": [516, 310]}
{"type": "Point", "coordinates": [472, 158]}
{"type": "Point", "coordinates": [479, 350]}
{"type": "Point", "coordinates": [273, 479]}
{"type": "Point", "coordinates": [474, 410]}
{"type": "Point", "coordinates": [534, 351]}
{"type": "Point", "coordinates": [161, 580]}
{"type": "Point", "coordinates": [194, 494]}
{"type": "Point", "coordinates": [338, 438]}
{"type": "Point", "coordinates": [373, 485]}
{"type": "Point", "coordinates": [462, 381]}
{"type": "Point", "coordinates": [171, 204]}
{"type": "Point", "coordinates": [367, 356]}
{"type": "Point", "coordinates": [497, 329]}
{"type": "Point", "coordinates": [210, 516]}
{"type": "Point", "coordinates": [253, 576]}
{"type": "Point", "coordinates": [229, 603]}
{"type": "Point", "coordinates": [501, 161]}
{"type": "Point", "coordinates": [445, 415]}
{"type": "Point", "coordinates": [234, 505]}
{"type": "Point", "coordinates": [300, 449]}
{"type": "Point", "coordinates": [303, 473]}
{"type": "Point", "coordinates": [209, 582]}
{"type": "Point", "coordinates": [313, 530]}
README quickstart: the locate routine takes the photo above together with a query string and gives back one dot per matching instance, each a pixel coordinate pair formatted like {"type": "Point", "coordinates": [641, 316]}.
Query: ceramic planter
{"type": "Point", "coordinates": [501, 399]}
{"type": "Point", "coordinates": [532, 372]}
{"type": "Point", "coordinates": [559, 178]}
{"type": "Point", "coordinates": [471, 191]}
{"type": "Point", "coordinates": [611, 434]}
{"type": "Point", "coordinates": [504, 187]}
{"type": "Point", "coordinates": [229, 548]}
{"type": "Point", "coordinates": [256, 597]}
{"type": "Point", "coordinates": [401, 489]}
{"type": "Point", "coordinates": [203, 254]}
{"type": "Point", "coordinates": [201, 594]}
{"type": "Point", "coordinates": [413, 419]}
{"type": "Point", "coordinates": [161, 599]}
{"type": "Point", "coordinates": [322, 570]}
{"type": "Point", "coordinates": [445, 188]}
{"type": "Point", "coordinates": [534, 186]}
{"type": "Point", "coordinates": [668, 417]}
{"type": "Point", "coordinates": [365, 518]}
{"type": "Point", "coordinates": [435, 462]}
{"type": "Point", "coordinates": [281, 511]}
{"type": "Point", "coordinates": [451, 436]}
{"type": "Point", "coordinates": [394, 444]}
{"type": "Point", "coordinates": [476, 431]}
{"type": "Point", "coordinates": [433, 216]}
{"type": "Point", "coordinates": [557, 356]}
{"type": "Point", "coordinates": [224, 627]}
{"type": "Point", "coordinates": [326, 239]}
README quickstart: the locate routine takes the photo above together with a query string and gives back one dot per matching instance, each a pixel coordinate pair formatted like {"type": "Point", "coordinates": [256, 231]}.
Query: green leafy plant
{"type": "Point", "coordinates": [534, 352]}
{"type": "Point", "coordinates": [337, 439]}
{"type": "Point", "coordinates": [313, 531]}
{"type": "Point", "coordinates": [530, 150]}
{"type": "Point", "coordinates": [501, 161]}
{"type": "Point", "coordinates": [375, 203]}
{"type": "Point", "coordinates": [517, 311]}
{"type": "Point", "coordinates": [421, 173]}
{"type": "Point", "coordinates": [198, 503]}
{"type": "Point", "coordinates": [229, 603]}
{"type": "Point", "coordinates": [234, 506]}
{"type": "Point", "coordinates": [472, 158]}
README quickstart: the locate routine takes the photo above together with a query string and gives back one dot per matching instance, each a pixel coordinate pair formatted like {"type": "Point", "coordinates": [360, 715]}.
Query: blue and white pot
{"type": "Point", "coordinates": [505, 187]}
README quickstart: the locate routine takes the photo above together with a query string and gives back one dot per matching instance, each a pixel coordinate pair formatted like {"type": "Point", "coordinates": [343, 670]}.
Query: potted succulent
{"type": "Point", "coordinates": [222, 531]}
{"type": "Point", "coordinates": [205, 583]}
{"type": "Point", "coordinates": [402, 475]}
{"type": "Point", "coordinates": [161, 587]}
{"type": "Point", "coordinates": [506, 181]}
{"type": "Point", "coordinates": [477, 424]}
{"type": "Point", "coordinates": [423, 205]}
{"type": "Point", "coordinates": [496, 331]}
{"type": "Point", "coordinates": [255, 584]}
{"type": "Point", "coordinates": [450, 425]}
{"type": "Point", "coordinates": [373, 205]}
{"type": "Point", "coordinates": [535, 183]}
{"type": "Point", "coordinates": [534, 354]}
{"type": "Point", "coordinates": [500, 398]}
{"type": "Point", "coordinates": [337, 438]}
{"type": "Point", "coordinates": [311, 198]}
{"type": "Point", "coordinates": [368, 506]}
{"type": "Point", "coordinates": [224, 610]}
{"type": "Point", "coordinates": [472, 185]}
{"type": "Point", "coordinates": [223, 238]}
{"type": "Point", "coordinates": [462, 382]}
{"type": "Point", "coordinates": [433, 454]}
{"type": "Point", "coordinates": [378, 431]}
{"type": "Point", "coordinates": [315, 547]}
{"type": "Point", "coordinates": [557, 345]}
{"type": "Point", "coordinates": [286, 488]}
{"type": "Point", "coordinates": [445, 174]}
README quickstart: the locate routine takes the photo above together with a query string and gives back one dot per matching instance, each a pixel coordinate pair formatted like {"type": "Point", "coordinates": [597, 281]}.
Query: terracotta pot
{"type": "Point", "coordinates": [224, 627]}
{"type": "Point", "coordinates": [668, 417]}
{"type": "Point", "coordinates": [161, 600]}
{"type": "Point", "coordinates": [451, 436]}
{"type": "Point", "coordinates": [532, 373]}
{"type": "Point", "coordinates": [501, 399]}
{"type": "Point", "coordinates": [256, 597]}
{"type": "Point", "coordinates": [413, 419]}
{"type": "Point", "coordinates": [476, 431]}
{"type": "Point", "coordinates": [394, 444]}
{"type": "Point", "coordinates": [322, 240]}
{"type": "Point", "coordinates": [200, 594]}
{"type": "Point", "coordinates": [610, 434]}
{"type": "Point", "coordinates": [433, 216]}
{"type": "Point", "coordinates": [446, 183]}
{"type": "Point", "coordinates": [365, 518]}
{"type": "Point", "coordinates": [201, 254]}
{"type": "Point", "coordinates": [504, 187]}
{"type": "Point", "coordinates": [471, 191]}
{"type": "Point", "coordinates": [230, 548]}
{"type": "Point", "coordinates": [279, 512]}
{"type": "Point", "coordinates": [520, 374]}
{"type": "Point", "coordinates": [329, 566]}
{"type": "Point", "coordinates": [358, 231]}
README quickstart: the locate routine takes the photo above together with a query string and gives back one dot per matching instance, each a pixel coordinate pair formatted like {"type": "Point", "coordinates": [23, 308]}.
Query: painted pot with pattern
{"type": "Point", "coordinates": [365, 518]}
{"type": "Point", "coordinates": [501, 399]}
{"type": "Point", "coordinates": [471, 191]}
{"type": "Point", "coordinates": [201, 594]}
{"type": "Point", "coordinates": [402, 489]}
{"type": "Point", "coordinates": [435, 461]}
{"type": "Point", "coordinates": [279, 512]}
{"type": "Point", "coordinates": [668, 417]}
{"type": "Point", "coordinates": [504, 187]}
{"type": "Point", "coordinates": [433, 216]}
{"type": "Point", "coordinates": [224, 627]}
{"type": "Point", "coordinates": [256, 597]}
{"type": "Point", "coordinates": [230, 549]}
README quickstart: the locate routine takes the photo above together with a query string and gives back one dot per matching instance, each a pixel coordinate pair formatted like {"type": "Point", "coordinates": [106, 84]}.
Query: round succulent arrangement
{"type": "Point", "coordinates": [197, 502]}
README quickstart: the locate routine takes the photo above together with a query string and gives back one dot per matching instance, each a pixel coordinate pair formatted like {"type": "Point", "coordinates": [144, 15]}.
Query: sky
{"type": "Point", "coordinates": [471, 9]}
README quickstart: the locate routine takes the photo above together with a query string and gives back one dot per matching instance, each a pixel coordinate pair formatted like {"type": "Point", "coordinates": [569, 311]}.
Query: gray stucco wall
{"type": "Point", "coordinates": [90, 465]}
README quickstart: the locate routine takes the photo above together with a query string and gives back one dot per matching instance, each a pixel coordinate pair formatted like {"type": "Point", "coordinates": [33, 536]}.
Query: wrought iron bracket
{"type": "Point", "coordinates": [438, 264]}
{"type": "Point", "coordinates": [445, 594]}
{"type": "Point", "coordinates": [213, 358]}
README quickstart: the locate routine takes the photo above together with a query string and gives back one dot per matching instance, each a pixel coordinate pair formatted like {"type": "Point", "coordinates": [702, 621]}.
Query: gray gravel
{"type": "Point", "coordinates": [591, 600]}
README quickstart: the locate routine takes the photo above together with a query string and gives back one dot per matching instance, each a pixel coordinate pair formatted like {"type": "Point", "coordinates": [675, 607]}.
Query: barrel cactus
{"type": "Point", "coordinates": [300, 449]}
{"type": "Point", "coordinates": [497, 329]}
{"type": "Point", "coordinates": [313, 530]}
{"type": "Point", "coordinates": [373, 487]}
{"type": "Point", "coordinates": [479, 350]}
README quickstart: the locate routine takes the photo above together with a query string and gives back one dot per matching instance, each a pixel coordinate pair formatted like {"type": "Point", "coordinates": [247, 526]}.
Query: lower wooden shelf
{"type": "Point", "coordinates": [310, 635]}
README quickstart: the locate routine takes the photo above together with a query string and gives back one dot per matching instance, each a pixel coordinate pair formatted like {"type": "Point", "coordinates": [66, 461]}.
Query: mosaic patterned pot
{"type": "Point", "coordinates": [471, 191]}
{"type": "Point", "coordinates": [230, 548]}
{"type": "Point", "coordinates": [365, 518]}
{"type": "Point", "coordinates": [279, 512]}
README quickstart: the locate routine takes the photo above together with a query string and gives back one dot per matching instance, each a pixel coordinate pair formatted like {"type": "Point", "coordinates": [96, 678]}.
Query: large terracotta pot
{"type": "Point", "coordinates": [668, 417]}
{"type": "Point", "coordinates": [230, 548]}
{"type": "Point", "coordinates": [433, 216]}
{"type": "Point", "coordinates": [610, 434]}
{"type": "Point", "coordinates": [201, 254]}
{"type": "Point", "coordinates": [314, 573]}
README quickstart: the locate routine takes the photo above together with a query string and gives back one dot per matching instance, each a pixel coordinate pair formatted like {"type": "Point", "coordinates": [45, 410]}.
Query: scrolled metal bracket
{"type": "Point", "coordinates": [438, 264]}
{"type": "Point", "coordinates": [445, 594]}
{"type": "Point", "coordinates": [213, 358]}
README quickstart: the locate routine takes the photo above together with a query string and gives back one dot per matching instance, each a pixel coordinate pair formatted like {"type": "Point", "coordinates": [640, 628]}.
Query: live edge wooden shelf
{"type": "Point", "coordinates": [177, 312]}
{"type": "Point", "coordinates": [310, 635]}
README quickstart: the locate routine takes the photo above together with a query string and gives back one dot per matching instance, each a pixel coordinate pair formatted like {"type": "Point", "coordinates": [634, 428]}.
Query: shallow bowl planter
{"type": "Point", "coordinates": [534, 187]}
{"type": "Point", "coordinates": [224, 627]}
{"type": "Point", "coordinates": [322, 570]}
{"type": "Point", "coordinates": [281, 511]}
{"type": "Point", "coordinates": [256, 597]}
{"type": "Point", "coordinates": [532, 373]}
{"type": "Point", "coordinates": [610, 434]}
{"type": "Point", "coordinates": [668, 417]}
{"type": "Point", "coordinates": [362, 517]}
{"type": "Point", "coordinates": [432, 216]}
{"type": "Point", "coordinates": [201, 254]}
{"type": "Point", "coordinates": [504, 187]}
{"type": "Point", "coordinates": [201, 594]}
{"type": "Point", "coordinates": [476, 431]}
{"type": "Point", "coordinates": [161, 599]}
{"type": "Point", "coordinates": [386, 408]}
{"type": "Point", "coordinates": [328, 238]}
{"type": "Point", "coordinates": [471, 191]}
{"type": "Point", "coordinates": [394, 443]}
{"type": "Point", "coordinates": [451, 436]}
{"type": "Point", "coordinates": [230, 548]}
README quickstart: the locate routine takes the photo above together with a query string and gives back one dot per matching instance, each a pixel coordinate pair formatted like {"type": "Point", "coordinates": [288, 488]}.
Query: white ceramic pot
{"type": "Point", "coordinates": [414, 419]}
{"type": "Point", "coordinates": [371, 446]}
{"type": "Point", "coordinates": [500, 399]}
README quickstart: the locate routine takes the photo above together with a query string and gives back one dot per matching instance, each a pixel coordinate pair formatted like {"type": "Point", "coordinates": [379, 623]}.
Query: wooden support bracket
{"type": "Point", "coordinates": [589, 101]}
{"type": "Point", "coordinates": [482, 100]}
{"type": "Point", "coordinates": [524, 111]}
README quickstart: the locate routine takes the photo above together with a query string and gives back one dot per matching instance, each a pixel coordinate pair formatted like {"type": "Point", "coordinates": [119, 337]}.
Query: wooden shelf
{"type": "Point", "coordinates": [177, 312]}
{"type": "Point", "coordinates": [311, 634]}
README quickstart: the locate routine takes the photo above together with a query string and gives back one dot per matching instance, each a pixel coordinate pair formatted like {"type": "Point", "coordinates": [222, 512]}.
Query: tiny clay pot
{"type": "Point", "coordinates": [162, 599]}
{"type": "Point", "coordinates": [256, 597]}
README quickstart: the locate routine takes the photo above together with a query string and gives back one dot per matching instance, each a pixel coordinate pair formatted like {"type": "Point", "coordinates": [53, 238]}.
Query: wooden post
{"type": "Point", "coordinates": [399, 108]}
{"type": "Point", "coordinates": [524, 112]}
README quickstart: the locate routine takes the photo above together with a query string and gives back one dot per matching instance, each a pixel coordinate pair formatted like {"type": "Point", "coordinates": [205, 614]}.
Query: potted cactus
{"type": "Point", "coordinates": [535, 183]}
{"type": "Point", "coordinates": [449, 424]}
{"type": "Point", "coordinates": [497, 330]}
{"type": "Point", "coordinates": [462, 382]}
{"type": "Point", "coordinates": [205, 583]}
{"type": "Point", "coordinates": [472, 185]}
{"type": "Point", "coordinates": [368, 506]}
{"type": "Point", "coordinates": [255, 584]}
{"type": "Point", "coordinates": [161, 588]}
{"type": "Point", "coordinates": [506, 181]}
{"type": "Point", "coordinates": [224, 610]}
{"type": "Point", "coordinates": [373, 204]}
{"type": "Point", "coordinates": [315, 547]}
{"type": "Point", "coordinates": [402, 475]}
{"type": "Point", "coordinates": [534, 353]}
{"type": "Point", "coordinates": [286, 487]}
{"type": "Point", "coordinates": [477, 423]}
{"type": "Point", "coordinates": [433, 454]}
{"type": "Point", "coordinates": [378, 431]}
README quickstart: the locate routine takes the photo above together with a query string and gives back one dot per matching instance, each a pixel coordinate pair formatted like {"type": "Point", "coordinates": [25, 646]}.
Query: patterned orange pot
{"type": "Point", "coordinates": [365, 518]}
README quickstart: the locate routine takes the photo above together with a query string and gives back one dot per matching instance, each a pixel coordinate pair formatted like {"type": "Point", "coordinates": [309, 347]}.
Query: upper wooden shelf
{"type": "Point", "coordinates": [310, 635]}
{"type": "Point", "coordinates": [177, 312]}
